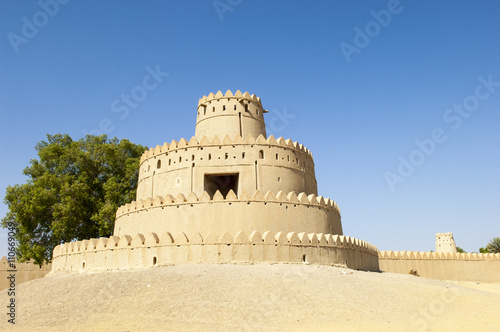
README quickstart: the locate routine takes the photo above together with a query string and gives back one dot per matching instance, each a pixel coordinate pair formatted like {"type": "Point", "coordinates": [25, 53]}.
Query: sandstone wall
{"type": "Point", "coordinates": [238, 114]}
{"type": "Point", "coordinates": [443, 266]}
{"type": "Point", "coordinates": [263, 164]}
{"type": "Point", "coordinates": [272, 212]}
{"type": "Point", "coordinates": [139, 251]}
{"type": "Point", "coordinates": [25, 272]}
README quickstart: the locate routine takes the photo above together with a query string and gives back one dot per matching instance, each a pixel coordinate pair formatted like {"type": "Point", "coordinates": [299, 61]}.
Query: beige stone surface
{"type": "Point", "coordinates": [462, 267]}
{"type": "Point", "coordinates": [227, 297]}
{"type": "Point", "coordinates": [146, 251]}
{"type": "Point", "coordinates": [23, 272]}
{"type": "Point", "coordinates": [227, 114]}
{"type": "Point", "coordinates": [261, 164]}
{"type": "Point", "coordinates": [445, 243]}
{"type": "Point", "coordinates": [280, 212]}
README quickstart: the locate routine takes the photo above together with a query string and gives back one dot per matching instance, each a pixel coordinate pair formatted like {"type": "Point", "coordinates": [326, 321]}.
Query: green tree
{"type": "Point", "coordinates": [483, 251]}
{"type": "Point", "coordinates": [460, 250]}
{"type": "Point", "coordinates": [72, 192]}
{"type": "Point", "coordinates": [494, 246]}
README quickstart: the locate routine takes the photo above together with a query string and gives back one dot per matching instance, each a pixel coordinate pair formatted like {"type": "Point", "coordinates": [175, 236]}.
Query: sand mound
{"type": "Point", "coordinates": [251, 298]}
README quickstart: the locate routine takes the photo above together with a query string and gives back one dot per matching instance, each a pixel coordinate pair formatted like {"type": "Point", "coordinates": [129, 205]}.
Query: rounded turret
{"type": "Point", "coordinates": [232, 115]}
{"type": "Point", "coordinates": [445, 243]}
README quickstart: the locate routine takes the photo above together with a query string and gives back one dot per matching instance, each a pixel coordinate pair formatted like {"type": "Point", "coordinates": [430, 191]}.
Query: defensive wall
{"type": "Point", "coordinates": [443, 266]}
{"type": "Point", "coordinates": [24, 272]}
{"type": "Point", "coordinates": [263, 164]}
{"type": "Point", "coordinates": [258, 212]}
{"type": "Point", "coordinates": [139, 251]}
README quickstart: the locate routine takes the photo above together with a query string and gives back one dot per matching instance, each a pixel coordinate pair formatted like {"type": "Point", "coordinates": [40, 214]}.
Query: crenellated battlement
{"type": "Point", "coordinates": [264, 164]}
{"type": "Point", "coordinates": [257, 196]}
{"type": "Point", "coordinates": [191, 212]}
{"type": "Point", "coordinates": [230, 114]}
{"type": "Point", "coordinates": [228, 96]}
{"type": "Point", "coordinates": [154, 240]}
{"type": "Point", "coordinates": [174, 145]}
{"type": "Point", "coordinates": [154, 249]}
{"type": "Point", "coordinates": [443, 265]}
{"type": "Point", "coordinates": [444, 234]}
{"type": "Point", "coordinates": [428, 255]}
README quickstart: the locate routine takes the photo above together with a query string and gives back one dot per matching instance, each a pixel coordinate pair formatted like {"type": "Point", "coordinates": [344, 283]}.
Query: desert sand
{"type": "Point", "coordinates": [260, 297]}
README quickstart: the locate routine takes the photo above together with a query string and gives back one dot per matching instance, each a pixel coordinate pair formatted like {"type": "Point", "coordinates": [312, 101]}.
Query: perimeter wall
{"type": "Point", "coordinates": [443, 266]}
{"type": "Point", "coordinates": [127, 252]}
{"type": "Point", "coordinates": [24, 272]}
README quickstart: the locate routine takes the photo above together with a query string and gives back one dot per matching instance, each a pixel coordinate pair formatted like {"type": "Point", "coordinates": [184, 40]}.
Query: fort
{"type": "Point", "coordinates": [228, 232]}
{"type": "Point", "coordinates": [228, 194]}
{"type": "Point", "coordinates": [232, 194]}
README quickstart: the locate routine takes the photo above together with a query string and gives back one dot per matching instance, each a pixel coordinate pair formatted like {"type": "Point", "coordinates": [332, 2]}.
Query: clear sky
{"type": "Point", "coordinates": [398, 101]}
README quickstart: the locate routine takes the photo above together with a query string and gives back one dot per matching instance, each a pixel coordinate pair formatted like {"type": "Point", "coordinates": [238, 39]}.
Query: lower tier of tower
{"type": "Point", "coordinates": [137, 252]}
{"type": "Point", "coordinates": [218, 214]}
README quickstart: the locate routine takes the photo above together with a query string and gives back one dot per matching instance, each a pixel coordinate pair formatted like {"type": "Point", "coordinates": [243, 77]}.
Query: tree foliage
{"type": "Point", "coordinates": [483, 250]}
{"type": "Point", "coordinates": [460, 250]}
{"type": "Point", "coordinates": [493, 246]}
{"type": "Point", "coordinates": [72, 192]}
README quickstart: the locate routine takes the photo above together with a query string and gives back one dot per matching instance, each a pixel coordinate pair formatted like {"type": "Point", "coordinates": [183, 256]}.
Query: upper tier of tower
{"type": "Point", "coordinates": [230, 114]}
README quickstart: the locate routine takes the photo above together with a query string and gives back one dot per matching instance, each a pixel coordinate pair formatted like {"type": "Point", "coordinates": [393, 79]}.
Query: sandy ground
{"type": "Point", "coordinates": [281, 297]}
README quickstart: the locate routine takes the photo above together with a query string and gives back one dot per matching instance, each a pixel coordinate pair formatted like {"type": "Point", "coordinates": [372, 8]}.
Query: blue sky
{"type": "Point", "coordinates": [358, 83]}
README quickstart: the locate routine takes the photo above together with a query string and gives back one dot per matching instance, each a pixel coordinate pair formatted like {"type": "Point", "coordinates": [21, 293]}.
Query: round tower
{"type": "Point", "coordinates": [233, 115]}
{"type": "Point", "coordinates": [229, 194]}
{"type": "Point", "coordinates": [445, 243]}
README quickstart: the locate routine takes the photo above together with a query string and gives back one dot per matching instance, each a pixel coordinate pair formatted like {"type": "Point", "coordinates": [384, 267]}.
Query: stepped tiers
{"type": "Point", "coordinates": [229, 179]}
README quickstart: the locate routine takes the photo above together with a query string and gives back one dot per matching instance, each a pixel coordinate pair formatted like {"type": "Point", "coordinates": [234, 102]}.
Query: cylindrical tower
{"type": "Point", "coordinates": [445, 243]}
{"type": "Point", "coordinates": [233, 115]}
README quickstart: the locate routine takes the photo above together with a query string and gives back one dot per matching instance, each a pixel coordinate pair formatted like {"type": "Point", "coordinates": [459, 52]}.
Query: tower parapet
{"type": "Point", "coordinates": [445, 243]}
{"type": "Point", "coordinates": [238, 114]}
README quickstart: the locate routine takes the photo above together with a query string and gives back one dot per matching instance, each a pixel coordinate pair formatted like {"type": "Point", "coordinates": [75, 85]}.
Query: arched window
{"type": "Point", "coordinates": [261, 154]}
{"type": "Point", "coordinates": [158, 164]}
